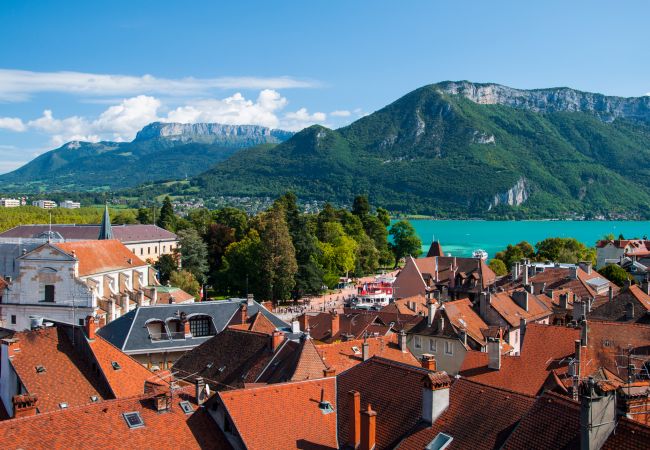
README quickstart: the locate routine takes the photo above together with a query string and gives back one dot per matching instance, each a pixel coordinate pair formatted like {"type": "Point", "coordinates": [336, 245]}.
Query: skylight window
{"type": "Point", "coordinates": [440, 442]}
{"type": "Point", "coordinates": [63, 405]}
{"type": "Point", "coordinates": [186, 407]}
{"type": "Point", "coordinates": [133, 419]}
{"type": "Point", "coordinates": [356, 350]}
{"type": "Point", "coordinates": [116, 365]}
{"type": "Point", "coordinates": [94, 398]}
{"type": "Point", "coordinates": [40, 369]}
{"type": "Point", "coordinates": [325, 407]}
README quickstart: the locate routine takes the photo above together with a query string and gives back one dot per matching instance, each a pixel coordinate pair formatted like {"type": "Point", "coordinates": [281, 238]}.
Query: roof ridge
{"type": "Point", "coordinates": [510, 391]}
{"type": "Point", "coordinates": [274, 385]}
{"type": "Point", "coordinates": [392, 363]}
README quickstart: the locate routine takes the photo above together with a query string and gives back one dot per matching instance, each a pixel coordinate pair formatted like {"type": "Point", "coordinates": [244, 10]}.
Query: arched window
{"type": "Point", "coordinates": [157, 329]}
{"type": "Point", "coordinates": [201, 325]}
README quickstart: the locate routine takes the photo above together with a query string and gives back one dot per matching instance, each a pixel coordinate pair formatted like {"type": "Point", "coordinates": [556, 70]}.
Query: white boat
{"type": "Point", "coordinates": [481, 254]}
{"type": "Point", "coordinates": [374, 295]}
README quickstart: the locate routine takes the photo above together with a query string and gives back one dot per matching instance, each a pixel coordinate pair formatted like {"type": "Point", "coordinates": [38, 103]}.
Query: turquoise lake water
{"type": "Point", "coordinates": [462, 237]}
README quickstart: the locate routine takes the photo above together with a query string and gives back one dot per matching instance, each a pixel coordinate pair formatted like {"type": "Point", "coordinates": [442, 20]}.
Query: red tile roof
{"type": "Point", "coordinates": [512, 313]}
{"type": "Point", "coordinates": [259, 323]}
{"type": "Point", "coordinates": [463, 317]}
{"type": "Point", "coordinates": [341, 356]}
{"type": "Point", "coordinates": [554, 422]}
{"type": "Point", "coordinates": [101, 256]}
{"type": "Point", "coordinates": [641, 296]}
{"type": "Point", "coordinates": [300, 422]}
{"type": "Point", "coordinates": [163, 296]}
{"type": "Point", "coordinates": [102, 425]}
{"type": "Point", "coordinates": [393, 389]}
{"type": "Point", "coordinates": [68, 377]}
{"type": "Point", "coordinates": [545, 351]}
{"type": "Point", "coordinates": [124, 233]}
{"type": "Point", "coordinates": [479, 417]}
{"type": "Point", "coordinates": [416, 304]}
{"type": "Point", "coordinates": [129, 379]}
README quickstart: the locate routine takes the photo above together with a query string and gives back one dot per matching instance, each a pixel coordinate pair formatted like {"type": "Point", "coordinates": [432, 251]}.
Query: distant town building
{"type": "Point", "coordinates": [69, 204]}
{"type": "Point", "coordinates": [45, 204]}
{"type": "Point", "coordinates": [147, 242]}
{"type": "Point", "coordinates": [9, 202]}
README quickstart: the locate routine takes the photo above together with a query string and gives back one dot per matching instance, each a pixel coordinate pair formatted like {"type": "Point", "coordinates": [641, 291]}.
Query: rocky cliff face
{"type": "Point", "coordinates": [514, 196]}
{"type": "Point", "coordinates": [213, 132]}
{"type": "Point", "coordinates": [552, 100]}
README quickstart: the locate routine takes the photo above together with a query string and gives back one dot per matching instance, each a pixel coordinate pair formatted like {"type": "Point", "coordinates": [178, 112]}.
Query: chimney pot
{"type": "Point", "coordinates": [243, 313]}
{"type": "Point", "coordinates": [428, 362]}
{"type": "Point", "coordinates": [295, 327]}
{"type": "Point", "coordinates": [402, 342]}
{"type": "Point", "coordinates": [24, 405]}
{"type": "Point", "coordinates": [91, 327]}
{"type": "Point", "coordinates": [276, 339]}
{"type": "Point", "coordinates": [365, 350]}
{"type": "Point", "coordinates": [335, 321]}
{"type": "Point", "coordinates": [368, 429]}
{"type": "Point", "coordinates": [494, 353]}
{"type": "Point", "coordinates": [354, 437]}
{"type": "Point", "coordinates": [435, 396]}
{"type": "Point", "coordinates": [200, 391]}
{"type": "Point", "coordinates": [329, 372]}
{"type": "Point", "coordinates": [250, 299]}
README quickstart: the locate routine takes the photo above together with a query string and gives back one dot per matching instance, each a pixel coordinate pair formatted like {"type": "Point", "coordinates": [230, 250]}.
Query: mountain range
{"type": "Point", "coordinates": [160, 151]}
{"type": "Point", "coordinates": [450, 149]}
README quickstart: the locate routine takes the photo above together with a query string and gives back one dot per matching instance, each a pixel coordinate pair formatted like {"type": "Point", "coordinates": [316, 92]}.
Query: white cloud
{"type": "Point", "coordinates": [300, 119]}
{"type": "Point", "coordinates": [123, 121]}
{"type": "Point", "coordinates": [12, 124]}
{"type": "Point", "coordinates": [341, 113]}
{"type": "Point", "coordinates": [233, 110]}
{"type": "Point", "coordinates": [19, 85]}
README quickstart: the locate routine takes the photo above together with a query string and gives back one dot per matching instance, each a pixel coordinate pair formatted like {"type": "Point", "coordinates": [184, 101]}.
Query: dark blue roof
{"type": "Point", "coordinates": [130, 334]}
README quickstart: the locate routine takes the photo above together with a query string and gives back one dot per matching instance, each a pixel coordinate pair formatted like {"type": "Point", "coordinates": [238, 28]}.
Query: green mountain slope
{"type": "Point", "coordinates": [161, 151]}
{"type": "Point", "coordinates": [437, 151]}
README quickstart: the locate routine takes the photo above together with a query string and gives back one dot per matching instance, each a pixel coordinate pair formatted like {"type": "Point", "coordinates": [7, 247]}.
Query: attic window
{"type": "Point", "coordinates": [63, 405]}
{"type": "Point", "coordinates": [186, 407]}
{"type": "Point", "coordinates": [40, 369]}
{"type": "Point", "coordinates": [325, 407]}
{"type": "Point", "coordinates": [440, 442]}
{"type": "Point", "coordinates": [356, 350]}
{"type": "Point", "coordinates": [116, 365]}
{"type": "Point", "coordinates": [133, 419]}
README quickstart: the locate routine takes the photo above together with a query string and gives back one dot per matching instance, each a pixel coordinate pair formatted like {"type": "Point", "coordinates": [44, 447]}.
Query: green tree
{"type": "Point", "coordinates": [217, 239]}
{"type": "Point", "coordinates": [165, 265]}
{"type": "Point", "coordinates": [167, 218]}
{"type": "Point", "coordinates": [498, 267]}
{"type": "Point", "coordinates": [194, 253]}
{"type": "Point", "coordinates": [361, 206]}
{"type": "Point", "coordinates": [564, 250]}
{"type": "Point", "coordinates": [514, 253]}
{"type": "Point", "coordinates": [384, 216]}
{"type": "Point", "coordinates": [377, 231]}
{"type": "Point", "coordinates": [405, 240]}
{"type": "Point", "coordinates": [201, 219]}
{"type": "Point", "coordinates": [241, 271]}
{"type": "Point", "coordinates": [616, 274]}
{"type": "Point", "coordinates": [366, 256]}
{"type": "Point", "coordinates": [185, 280]}
{"type": "Point", "coordinates": [279, 265]}
{"type": "Point", "coordinates": [145, 215]}
{"type": "Point", "coordinates": [233, 218]}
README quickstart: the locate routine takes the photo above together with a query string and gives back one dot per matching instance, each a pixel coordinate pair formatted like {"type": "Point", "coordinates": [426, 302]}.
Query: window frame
{"type": "Point", "coordinates": [449, 348]}
{"type": "Point", "coordinates": [433, 345]}
{"type": "Point", "coordinates": [417, 341]}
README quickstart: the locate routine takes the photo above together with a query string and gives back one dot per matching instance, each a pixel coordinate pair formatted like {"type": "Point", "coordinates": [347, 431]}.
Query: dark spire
{"type": "Point", "coordinates": [105, 230]}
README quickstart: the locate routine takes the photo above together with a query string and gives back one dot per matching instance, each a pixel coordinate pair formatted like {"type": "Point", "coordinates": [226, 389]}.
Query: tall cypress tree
{"type": "Point", "coordinates": [167, 219]}
{"type": "Point", "coordinates": [279, 265]}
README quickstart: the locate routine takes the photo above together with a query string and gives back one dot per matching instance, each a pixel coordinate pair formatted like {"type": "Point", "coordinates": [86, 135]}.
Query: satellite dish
{"type": "Point", "coordinates": [207, 390]}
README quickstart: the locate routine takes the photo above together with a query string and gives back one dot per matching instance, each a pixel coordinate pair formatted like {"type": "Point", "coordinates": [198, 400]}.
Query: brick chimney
{"type": "Point", "coordinates": [335, 323]}
{"type": "Point", "coordinates": [494, 353]}
{"type": "Point", "coordinates": [303, 321]}
{"type": "Point", "coordinates": [435, 395]}
{"type": "Point", "coordinates": [354, 434]}
{"type": "Point", "coordinates": [24, 405]}
{"type": "Point", "coordinates": [91, 327]}
{"type": "Point", "coordinates": [368, 429]}
{"type": "Point", "coordinates": [402, 342]}
{"type": "Point", "coordinates": [243, 313]}
{"type": "Point", "coordinates": [13, 347]}
{"type": "Point", "coordinates": [428, 362]}
{"type": "Point", "coordinates": [329, 372]}
{"type": "Point", "coordinates": [276, 339]}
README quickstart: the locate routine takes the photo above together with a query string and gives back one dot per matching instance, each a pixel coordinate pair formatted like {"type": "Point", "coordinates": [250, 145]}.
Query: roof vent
{"type": "Point", "coordinates": [40, 369]}
{"type": "Point", "coordinates": [356, 350]}
{"type": "Point", "coordinates": [94, 398]}
{"type": "Point", "coordinates": [324, 406]}
{"type": "Point", "coordinates": [116, 365]}
{"type": "Point", "coordinates": [133, 419]}
{"type": "Point", "coordinates": [63, 405]}
{"type": "Point", "coordinates": [440, 442]}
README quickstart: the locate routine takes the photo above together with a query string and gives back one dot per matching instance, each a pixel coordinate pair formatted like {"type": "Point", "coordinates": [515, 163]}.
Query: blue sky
{"type": "Point", "coordinates": [101, 70]}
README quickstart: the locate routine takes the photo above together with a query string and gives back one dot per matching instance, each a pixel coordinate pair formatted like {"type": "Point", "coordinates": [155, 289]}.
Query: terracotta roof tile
{"type": "Point", "coordinates": [310, 364]}
{"type": "Point", "coordinates": [67, 376]}
{"type": "Point", "coordinates": [341, 355]}
{"type": "Point", "coordinates": [101, 256]}
{"type": "Point", "coordinates": [302, 424]}
{"type": "Point", "coordinates": [546, 348]}
{"type": "Point", "coordinates": [641, 296]}
{"type": "Point", "coordinates": [508, 308]}
{"type": "Point", "coordinates": [102, 425]}
{"type": "Point", "coordinates": [393, 389]}
{"type": "Point", "coordinates": [463, 317]}
{"type": "Point", "coordinates": [478, 417]}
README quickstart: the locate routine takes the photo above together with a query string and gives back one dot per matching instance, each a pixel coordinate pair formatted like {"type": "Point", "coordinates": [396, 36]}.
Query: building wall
{"type": "Point", "coordinates": [444, 361]}
{"type": "Point", "coordinates": [8, 381]}
{"type": "Point", "coordinates": [152, 250]}
{"type": "Point", "coordinates": [610, 251]}
{"type": "Point", "coordinates": [164, 359]}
